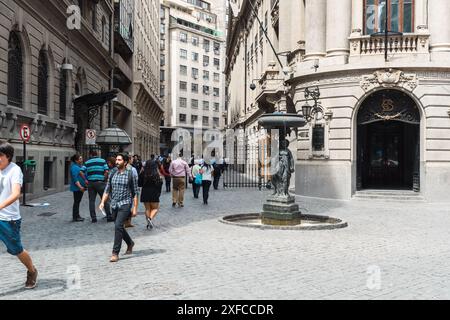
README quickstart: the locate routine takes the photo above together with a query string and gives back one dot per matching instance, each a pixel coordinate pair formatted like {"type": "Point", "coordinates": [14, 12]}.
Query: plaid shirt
{"type": "Point", "coordinates": [121, 193]}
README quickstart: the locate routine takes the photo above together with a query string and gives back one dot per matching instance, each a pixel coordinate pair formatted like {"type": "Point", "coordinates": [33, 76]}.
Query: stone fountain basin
{"type": "Point", "coordinates": [308, 222]}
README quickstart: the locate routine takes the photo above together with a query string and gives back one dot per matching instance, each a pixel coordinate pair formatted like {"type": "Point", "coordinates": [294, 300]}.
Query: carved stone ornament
{"type": "Point", "coordinates": [389, 79]}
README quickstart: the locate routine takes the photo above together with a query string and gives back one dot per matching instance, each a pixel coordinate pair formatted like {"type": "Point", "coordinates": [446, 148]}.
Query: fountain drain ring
{"type": "Point", "coordinates": [309, 222]}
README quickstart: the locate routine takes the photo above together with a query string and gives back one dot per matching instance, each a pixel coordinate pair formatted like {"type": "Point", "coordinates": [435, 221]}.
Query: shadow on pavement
{"type": "Point", "coordinates": [143, 253]}
{"type": "Point", "coordinates": [43, 284]}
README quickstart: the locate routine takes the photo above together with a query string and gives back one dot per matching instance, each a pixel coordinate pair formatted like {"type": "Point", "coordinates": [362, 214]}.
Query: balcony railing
{"type": "Point", "coordinates": [396, 44]}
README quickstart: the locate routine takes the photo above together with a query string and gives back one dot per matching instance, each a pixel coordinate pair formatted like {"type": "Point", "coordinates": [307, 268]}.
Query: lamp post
{"type": "Point", "coordinates": [309, 112]}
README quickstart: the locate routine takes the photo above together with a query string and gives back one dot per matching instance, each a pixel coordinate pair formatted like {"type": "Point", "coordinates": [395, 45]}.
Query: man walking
{"type": "Point", "coordinates": [97, 173]}
{"type": "Point", "coordinates": [11, 180]}
{"type": "Point", "coordinates": [178, 169]}
{"type": "Point", "coordinates": [122, 187]}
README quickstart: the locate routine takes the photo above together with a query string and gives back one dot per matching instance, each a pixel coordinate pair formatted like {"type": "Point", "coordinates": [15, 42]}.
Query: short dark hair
{"type": "Point", "coordinates": [124, 156]}
{"type": "Point", "coordinates": [7, 150]}
{"type": "Point", "coordinates": [75, 157]}
{"type": "Point", "coordinates": [93, 153]}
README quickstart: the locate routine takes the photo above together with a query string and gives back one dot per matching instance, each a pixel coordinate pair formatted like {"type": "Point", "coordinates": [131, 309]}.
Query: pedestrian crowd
{"type": "Point", "coordinates": [122, 181]}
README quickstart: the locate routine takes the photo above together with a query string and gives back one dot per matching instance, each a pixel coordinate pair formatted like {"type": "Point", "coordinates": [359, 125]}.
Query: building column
{"type": "Point", "coordinates": [285, 26]}
{"type": "Point", "coordinates": [439, 28]}
{"type": "Point", "coordinates": [357, 17]}
{"type": "Point", "coordinates": [315, 27]}
{"type": "Point", "coordinates": [297, 30]}
{"type": "Point", "coordinates": [420, 15]}
{"type": "Point", "coordinates": [339, 21]}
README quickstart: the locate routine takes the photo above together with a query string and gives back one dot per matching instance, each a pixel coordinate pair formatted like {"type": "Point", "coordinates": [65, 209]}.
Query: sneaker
{"type": "Point", "coordinates": [181, 205]}
{"type": "Point", "coordinates": [94, 220]}
{"type": "Point", "coordinates": [31, 279]}
{"type": "Point", "coordinates": [114, 258]}
{"type": "Point", "coordinates": [79, 219]}
{"type": "Point", "coordinates": [174, 204]}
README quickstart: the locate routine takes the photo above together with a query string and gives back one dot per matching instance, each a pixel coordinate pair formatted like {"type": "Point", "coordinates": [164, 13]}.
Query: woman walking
{"type": "Point", "coordinates": [197, 181]}
{"type": "Point", "coordinates": [168, 178]}
{"type": "Point", "coordinates": [77, 186]}
{"type": "Point", "coordinates": [151, 182]}
{"type": "Point", "coordinates": [206, 172]}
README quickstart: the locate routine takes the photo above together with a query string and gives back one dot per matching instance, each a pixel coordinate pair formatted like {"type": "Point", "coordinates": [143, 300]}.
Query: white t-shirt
{"type": "Point", "coordinates": [8, 177]}
{"type": "Point", "coordinates": [206, 175]}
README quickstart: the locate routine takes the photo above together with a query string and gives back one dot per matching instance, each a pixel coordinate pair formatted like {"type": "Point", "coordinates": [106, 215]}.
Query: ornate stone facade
{"type": "Point", "coordinates": [78, 61]}
{"type": "Point", "coordinates": [350, 68]}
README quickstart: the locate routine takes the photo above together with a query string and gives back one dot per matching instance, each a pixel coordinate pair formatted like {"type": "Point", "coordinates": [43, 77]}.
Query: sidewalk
{"type": "Point", "coordinates": [389, 251]}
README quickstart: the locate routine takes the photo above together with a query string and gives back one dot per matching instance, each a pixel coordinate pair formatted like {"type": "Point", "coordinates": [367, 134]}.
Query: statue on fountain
{"type": "Point", "coordinates": [285, 167]}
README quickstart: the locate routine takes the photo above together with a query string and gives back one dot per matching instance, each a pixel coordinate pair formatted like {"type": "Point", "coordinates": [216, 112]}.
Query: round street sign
{"type": "Point", "coordinates": [91, 136]}
{"type": "Point", "coordinates": [25, 133]}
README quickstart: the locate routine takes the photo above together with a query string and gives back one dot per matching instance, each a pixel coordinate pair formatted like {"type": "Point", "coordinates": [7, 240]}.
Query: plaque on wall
{"type": "Point", "coordinates": [318, 138]}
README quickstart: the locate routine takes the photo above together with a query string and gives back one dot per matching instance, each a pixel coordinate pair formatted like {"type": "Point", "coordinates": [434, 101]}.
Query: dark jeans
{"type": "Point", "coordinates": [206, 185]}
{"type": "Point", "coordinates": [196, 188]}
{"type": "Point", "coordinates": [97, 187]}
{"type": "Point", "coordinates": [77, 196]}
{"type": "Point", "coordinates": [120, 215]}
{"type": "Point", "coordinates": [168, 181]}
{"type": "Point", "coordinates": [216, 182]}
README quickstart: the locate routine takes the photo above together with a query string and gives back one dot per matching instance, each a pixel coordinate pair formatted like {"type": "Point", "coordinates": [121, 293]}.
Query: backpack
{"type": "Point", "coordinates": [130, 181]}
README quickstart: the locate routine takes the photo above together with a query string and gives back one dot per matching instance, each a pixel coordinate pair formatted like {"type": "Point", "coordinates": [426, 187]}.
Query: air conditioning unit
{"type": "Point", "coordinates": [205, 64]}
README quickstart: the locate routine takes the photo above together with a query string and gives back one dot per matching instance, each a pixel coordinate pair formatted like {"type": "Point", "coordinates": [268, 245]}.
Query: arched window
{"type": "Point", "coordinates": [94, 16]}
{"type": "Point", "coordinates": [15, 71]}
{"type": "Point", "coordinates": [62, 94]}
{"type": "Point", "coordinates": [400, 16]}
{"type": "Point", "coordinates": [77, 90]}
{"type": "Point", "coordinates": [43, 82]}
{"type": "Point", "coordinates": [103, 30]}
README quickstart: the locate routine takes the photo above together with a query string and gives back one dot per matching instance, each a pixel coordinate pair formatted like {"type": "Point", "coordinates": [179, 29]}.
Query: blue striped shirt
{"type": "Point", "coordinates": [96, 168]}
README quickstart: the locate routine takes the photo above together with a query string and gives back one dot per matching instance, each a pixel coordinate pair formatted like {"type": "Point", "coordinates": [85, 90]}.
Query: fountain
{"type": "Point", "coordinates": [280, 211]}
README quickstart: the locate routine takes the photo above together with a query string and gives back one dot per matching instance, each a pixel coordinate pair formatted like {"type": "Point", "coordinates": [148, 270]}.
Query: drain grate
{"type": "Point", "coordinates": [46, 214]}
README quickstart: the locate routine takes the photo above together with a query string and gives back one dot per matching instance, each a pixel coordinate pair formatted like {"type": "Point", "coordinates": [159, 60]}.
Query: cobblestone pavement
{"type": "Point", "coordinates": [388, 251]}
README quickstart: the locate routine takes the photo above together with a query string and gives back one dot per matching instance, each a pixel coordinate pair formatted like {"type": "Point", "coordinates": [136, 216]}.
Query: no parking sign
{"type": "Point", "coordinates": [25, 133]}
{"type": "Point", "coordinates": [91, 136]}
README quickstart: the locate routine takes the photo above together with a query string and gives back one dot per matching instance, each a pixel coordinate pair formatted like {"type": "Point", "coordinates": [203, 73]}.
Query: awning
{"type": "Point", "coordinates": [96, 99]}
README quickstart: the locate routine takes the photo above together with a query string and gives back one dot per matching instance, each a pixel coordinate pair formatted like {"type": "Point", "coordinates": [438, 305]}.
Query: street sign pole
{"type": "Point", "coordinates": [24, 203]}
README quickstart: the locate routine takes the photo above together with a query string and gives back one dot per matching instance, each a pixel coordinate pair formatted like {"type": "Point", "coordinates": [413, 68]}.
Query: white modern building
{"type": "Point", "coordinates": [192, 64]}
{"type": "Point", "coordinates": [384, 116]}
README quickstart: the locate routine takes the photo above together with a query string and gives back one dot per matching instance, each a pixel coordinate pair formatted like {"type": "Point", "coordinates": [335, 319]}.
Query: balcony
{"type": "Point", "coordinates": [124, 68]}
{"type": "Point", "coordinates": [366, 45]}
{"type": "Point", "coordinates": [124, 100]}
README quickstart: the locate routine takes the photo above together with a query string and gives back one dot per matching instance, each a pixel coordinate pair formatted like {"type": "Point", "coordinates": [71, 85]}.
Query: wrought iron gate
{"type": "Point", "coordinates": [247, 171]}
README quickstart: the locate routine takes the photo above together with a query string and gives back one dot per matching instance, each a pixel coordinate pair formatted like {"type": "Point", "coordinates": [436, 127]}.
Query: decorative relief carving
{"type": "Point", "coordinates": [389, 78]}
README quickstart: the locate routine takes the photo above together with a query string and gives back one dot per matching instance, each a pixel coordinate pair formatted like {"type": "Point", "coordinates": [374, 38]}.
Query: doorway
{"type": "Point", "coordinates": [388, 142]}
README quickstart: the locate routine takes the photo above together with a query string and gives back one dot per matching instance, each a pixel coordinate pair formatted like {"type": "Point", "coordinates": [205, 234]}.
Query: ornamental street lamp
{"type": "Point", "coordinates": [310, 112]}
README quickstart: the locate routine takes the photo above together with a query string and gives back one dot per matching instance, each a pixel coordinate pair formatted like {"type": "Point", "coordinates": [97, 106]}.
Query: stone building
{"type": "Point", "coordinates": [148, 110]}
{"type": "Point", "coordinates": [383, 121]}
{"type": "Point", "coordinates": [192, 63]}
{"type": "Point", "coordinates": [51, 54]}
